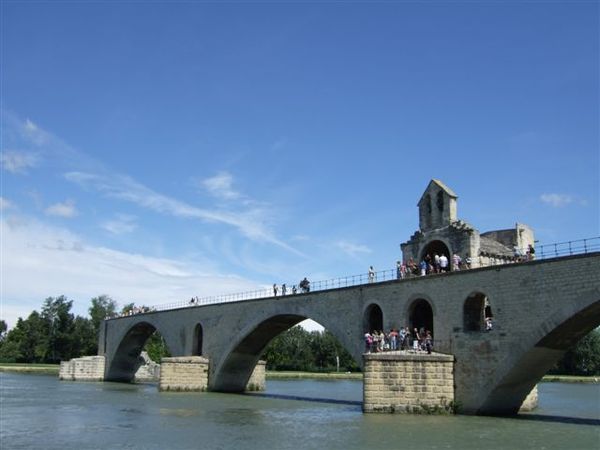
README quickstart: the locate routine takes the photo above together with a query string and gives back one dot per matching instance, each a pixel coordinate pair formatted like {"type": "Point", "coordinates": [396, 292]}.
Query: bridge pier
{"type": "Point", "coordinates": [191, 373]}
{"type": "Point", "coordinates": [401, 382]}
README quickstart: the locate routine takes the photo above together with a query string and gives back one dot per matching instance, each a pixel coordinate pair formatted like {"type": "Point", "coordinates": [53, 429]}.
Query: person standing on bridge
{"type": "Point", "coordinates": [305, 285]}
{"type": "Point", "coordinates": [371, 274]}
{"type": "Point", "coordinates": [274, 290]}
{"type": "Point", "coordinates": [423, 267]}
{"type": "Point", "coordinates": [283, 289]}
{"type": "Point", "coordinates": [530, 253]}
{"type": "Point", "coordinates": [443, 263]}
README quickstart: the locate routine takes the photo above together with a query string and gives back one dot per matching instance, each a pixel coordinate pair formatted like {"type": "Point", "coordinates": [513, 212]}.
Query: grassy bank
{"type": "Point", "coordinates": [282, 375]}
{"type": "Point", "coordinates": [358, 376]}
{"type": "Point", "coordinates": [273, 375]}
{"type": "Point", "coordinates": [30, 368]}
{"type": "Point", "coordinates": [569, 379]}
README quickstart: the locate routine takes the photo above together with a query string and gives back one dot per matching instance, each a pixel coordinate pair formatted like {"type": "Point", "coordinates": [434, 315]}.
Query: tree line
{"type": "Point", "coordinates": [55, 334]}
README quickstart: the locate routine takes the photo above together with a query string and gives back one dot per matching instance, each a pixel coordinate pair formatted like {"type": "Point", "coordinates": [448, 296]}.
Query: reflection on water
{"type": "Point", "coordinates": [42, 412]}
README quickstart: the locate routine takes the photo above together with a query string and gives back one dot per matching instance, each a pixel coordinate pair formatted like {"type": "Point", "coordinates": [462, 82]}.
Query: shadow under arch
{"type": "Point", "coordinates": [126, 360]}
{"type": "Point", "coordinates": [435, 247]}
{"type": "Point", "coordinates": [475, 310]}
{"type": "Point", "coordinates": [508, 395]}
{"type": "Point", "coordinates": [232, 373]}
{"type": "Point", "coordinates": [197, 340]}
{"type": "Point", "coordinates": [373, 318]}
{"type": "Point", "coordinates": [420, 315]}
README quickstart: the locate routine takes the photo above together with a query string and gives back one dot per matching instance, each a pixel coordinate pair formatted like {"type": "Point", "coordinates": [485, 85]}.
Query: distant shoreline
{"type": "Point", "coordinates": [53, 369]}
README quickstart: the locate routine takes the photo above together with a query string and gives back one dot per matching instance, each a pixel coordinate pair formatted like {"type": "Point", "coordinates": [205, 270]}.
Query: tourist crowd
{"type": "Point", "coordinates": [420, 340]}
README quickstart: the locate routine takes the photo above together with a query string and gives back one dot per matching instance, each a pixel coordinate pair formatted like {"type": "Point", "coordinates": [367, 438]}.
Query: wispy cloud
{"type": "Point", "coordinates": [221, 186]}
{"type": "Point", "coordinates": [251, 218]}
{"type": "Point", "coordinates": [557, 200]}
{"type": "Point", "coordinates": [352, 249]}
{"type": "Point", "coordinates": [122, 224]}
{"type": "Point", "coordinates": [34, 134]}
{"type": "Point", "coordinates": [250, 223]}
{"type": "Point", "coordinates": [65, 209]}
{"type": "Point", "coordinates": [18, 162]}
{"type": "Point", "coordinates": [4, 204]}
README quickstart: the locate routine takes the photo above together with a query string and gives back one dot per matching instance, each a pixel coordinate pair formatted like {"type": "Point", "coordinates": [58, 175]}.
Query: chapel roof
{"type": "Point", "coordinates": [441, 185]}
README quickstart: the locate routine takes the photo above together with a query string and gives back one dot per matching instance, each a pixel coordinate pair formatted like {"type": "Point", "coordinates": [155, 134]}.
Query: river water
{"type": "Point", "coordinates": [41, 412]}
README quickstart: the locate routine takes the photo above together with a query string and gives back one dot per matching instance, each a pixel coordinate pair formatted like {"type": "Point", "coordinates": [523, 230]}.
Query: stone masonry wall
{"type": "Point", "coordinates": [183, 373]}
{"type": "Point", "coordinates": [257, 379]}
{"type": "Point", "coordinates": [149, 371]}
{"type": "Point", "coordinates": [397, 382]}
{"type": "Point", "coordinates": [531, 401]}
{"type": "Point", "coordinates": [87, 368]}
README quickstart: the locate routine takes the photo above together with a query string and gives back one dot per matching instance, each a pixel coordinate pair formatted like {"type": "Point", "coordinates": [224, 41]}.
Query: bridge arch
{"type": "Point", "coordinates": [476, 309]}
{"type": "Point", "coordinates": [197, 340]}
{"type": "Point", "coordinates": [126, 359]}
{"type": "Point", "coordinates": [546, 344]}
{"type": "Point", "coordinates": [420, 314]}
{"type": "Point", "coordinates": [232, 369]}
{"type": "Point", "coordinates": [373, 318]}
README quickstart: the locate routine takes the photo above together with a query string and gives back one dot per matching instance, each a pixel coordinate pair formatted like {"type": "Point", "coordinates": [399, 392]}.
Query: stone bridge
{"type": "Point", "coordinates": [540, 309]}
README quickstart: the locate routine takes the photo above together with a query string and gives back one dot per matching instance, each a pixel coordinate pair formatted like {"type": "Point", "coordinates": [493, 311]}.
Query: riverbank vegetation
{"type": "Point", "coordinates": [55, 334]}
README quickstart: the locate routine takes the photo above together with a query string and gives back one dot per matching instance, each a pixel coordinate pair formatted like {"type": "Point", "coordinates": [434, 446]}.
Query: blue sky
{"type": "Point", "coordinates": [158, 151]}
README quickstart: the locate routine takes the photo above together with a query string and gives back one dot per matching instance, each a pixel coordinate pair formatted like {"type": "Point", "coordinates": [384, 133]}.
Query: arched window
{"type": "Point", "coordinates": [197, 342]}
{"type": "Point", "coordinates": [475, 311]}
{"type": "Point", "coordinates": [440, 201]}
{"type": "Point", "coordinates": [421, 315]}
{"type": "Point", "coordinates": [373, 319]}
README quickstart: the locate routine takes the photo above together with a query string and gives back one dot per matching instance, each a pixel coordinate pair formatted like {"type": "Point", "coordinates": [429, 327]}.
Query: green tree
{"type": "Point", "coordinates": [27, 342]}
{"type": "Point", "coordinates": [56, 312]}
{"type": "Point", "coordinates": [84, 338]}
{"type": "Point", "coordinates": [583, 359]}
{"type": "Point", "coordinates": [156, 347]}
{"type": "Point", "coordinates": [102, 308]}
{"type": "Point", "coordinates": [3, 328]}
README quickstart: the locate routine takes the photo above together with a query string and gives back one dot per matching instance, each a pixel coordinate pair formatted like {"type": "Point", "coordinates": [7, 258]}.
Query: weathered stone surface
{"type": "Point", "coordinates": [399, 382]}
{"type": "Point", "coordinates": [540, 309]}
{"type": "Point", "coordinates": [531, 401]}
{"type": "Point", "coordinates": [149, 371]}
{"type": "Point", "coordinates": [184, 373]}
{"type": "Point", "coordinates": [258, 377]}
{"type": "Point", "coordinates": [87, 368]}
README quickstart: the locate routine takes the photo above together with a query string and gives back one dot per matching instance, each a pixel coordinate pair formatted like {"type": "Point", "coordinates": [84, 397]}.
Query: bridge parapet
{"type": "Point", "coordinates": [543, 252]}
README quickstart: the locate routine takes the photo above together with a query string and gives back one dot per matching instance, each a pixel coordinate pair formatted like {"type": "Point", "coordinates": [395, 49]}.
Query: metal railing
{"type": "Point", "coordinates": [545, 251]}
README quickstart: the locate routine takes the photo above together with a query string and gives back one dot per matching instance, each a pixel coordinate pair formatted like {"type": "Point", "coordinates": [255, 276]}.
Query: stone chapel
{"type": "Point", "coordinates": [440, 231]}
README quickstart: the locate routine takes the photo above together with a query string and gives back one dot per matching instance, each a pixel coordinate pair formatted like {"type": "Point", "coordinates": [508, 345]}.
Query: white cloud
{"type": "Point", "coordinates": [18, 162]}
{"type": "Point", "coordinates": [352, 249]}
{"type": "Point", "coordinates": [60, 262]}
{"type": "Point", "coordinates": [122, 224]}
{"type": "Point", "coordinates": [221, 186]}
{"type": "Point", "coordinates": [556, 200]}
{"type": "Point", "coordinates": [66, 209]}
{"type": "Point", "coordinates": [4, 204]}
{"type": "Point", "coordinates": [34, 134]}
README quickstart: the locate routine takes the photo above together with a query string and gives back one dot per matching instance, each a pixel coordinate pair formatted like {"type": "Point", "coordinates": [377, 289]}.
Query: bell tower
{"type": "Point", "coordinates": [437, 206]}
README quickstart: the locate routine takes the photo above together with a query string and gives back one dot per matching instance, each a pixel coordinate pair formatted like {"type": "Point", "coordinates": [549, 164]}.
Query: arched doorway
{"type": "Point", "coordinates": [477, 313]}
{"type": "Point", "coordinates": [473, 312]}
{"type": "Point", "coordinates": [421, 315]}
{"type": "Point", "coordinates": [373, 319]}
{"type": "Point", "coordinates": [197, 342]}
{"type": "Point", "coordinates": [433, 248]}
